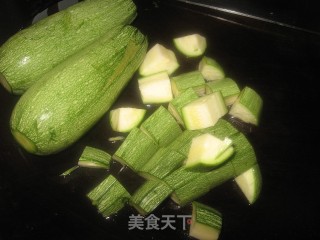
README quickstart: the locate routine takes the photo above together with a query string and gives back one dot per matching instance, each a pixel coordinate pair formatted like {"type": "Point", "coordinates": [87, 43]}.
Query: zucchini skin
{"type": "Point", "coordinates": [35, 50]}
{"type": "Point", "coordinates": [57, 110]}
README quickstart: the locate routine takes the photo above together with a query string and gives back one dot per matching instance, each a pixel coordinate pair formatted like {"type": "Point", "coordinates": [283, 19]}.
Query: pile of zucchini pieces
{"type": "Point", "coordinates": [185, 147]}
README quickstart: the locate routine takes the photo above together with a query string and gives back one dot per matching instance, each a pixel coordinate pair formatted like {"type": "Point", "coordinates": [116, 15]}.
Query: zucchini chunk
{"type": "Point", "coordinates": [206, 222]}
{"type": "Point", "coordinates": [109, 196]}
{"type": "Point", "coordinates": [250, 183]}
{"type": "Point", "coordinates": [163, 162]}
{"type": "Point", "coordinates": [136, 150]}
{"type": "Point", "coordinates": [192, 45]}
{"type": "Point", "coordinates": [125, 119]}
{"type": "Point", "coordinates": [161, 127]}
{"type": "Point", "coordinates": [94, 158]}
{"type": "Point", "coordinates": [184, 81]}
{"type": "Point", "coordinates": [208, 151]}
{"type": "Point", "coordinates": [210, 69]}
{"type": "Point", "coordinates": [179, 102]}
{"type": "Point", "coordinates": [159, 59]}
{"type": "Point", "coordinates": [204, 111]}
{"type": "Point", "coordinates": [155, 88]}
{"type": "Point", "coordinates": [149, 196]}
{"type": "Point", "coordinates": [189, 185]}
{"type": "Point", "coordinates": [248, 106]}
{"type": "Point", "coordinates": [228, 88]}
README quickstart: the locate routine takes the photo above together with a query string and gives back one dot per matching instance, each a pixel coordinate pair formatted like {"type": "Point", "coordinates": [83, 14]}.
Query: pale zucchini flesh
{"type": "Point", "coordinates": [179, 102]}
{"type": "Point", "coordinates": [124, 119]}
{"type": "Point", "coordinates": [210, 69]}
{"type": "Point", "coordinates": [155, 88]}
{"type": "Point", "coordinates": [204, 112]}
{"type": "Point", "coordinates": [159, 59]}
{"type": "Point", "coordinates": [248, 106]}
{"type": "Point", "coordinates": [208, 151]}
{"type": "Point", "coordinates": [250, 183]}
{"type": "Point", "coordinates": [192, 45]}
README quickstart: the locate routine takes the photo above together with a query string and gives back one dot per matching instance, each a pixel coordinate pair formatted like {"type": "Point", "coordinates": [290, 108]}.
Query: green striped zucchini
{"type": "Point", "coordinates": [206, 222]}
{"type": "Point", "coordinates": [149, 196]}
{"type": "Point", "coordinates": [56, 111]}
{"type": "Point", "coordinates": [109, 196]}
{"type": "Point", "coordinates": [33, 51]}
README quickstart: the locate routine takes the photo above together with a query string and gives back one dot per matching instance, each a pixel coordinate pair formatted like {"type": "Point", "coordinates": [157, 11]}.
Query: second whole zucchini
{"type": "Point", "coordinates": [56, 111]}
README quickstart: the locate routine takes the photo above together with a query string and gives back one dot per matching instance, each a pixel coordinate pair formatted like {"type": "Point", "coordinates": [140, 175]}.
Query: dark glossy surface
{"type": "Point", "coordinates": [281, 64]}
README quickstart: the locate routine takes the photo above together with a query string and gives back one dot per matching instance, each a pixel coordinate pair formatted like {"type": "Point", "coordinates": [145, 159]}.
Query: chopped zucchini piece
{"type": "Point", "coordinates": [161, 127]}
{"type": "Point", "coordinates": [189, 185]}
{"type": "Point", "coordinates": [192, 45]}
{"type": "Point", "coordinates": [183, 142]}
{"type": "Point", "coordinates": [136, 150]}
{"type": "Point", "coordinates": [248, 106]}
{"type": "Point", "coordinates": [228, 88]}
{"type": "Point", "coordinates": [204, 111]}
{"type": "Point", "coordinates": [126, 118]}
{"type": "Point", "coordinates": [184, 81]}
{"type": "Point", "coordinates": [94, 158]}
{"type": "Point", "coordinates": [197, 183]}
{"type": "Point", "coordinates": [250, 183]}
{"type": "Point", "coordinates": [210, 69]}
{"type": "Point", "coordinates": [206, 222]}
{"type": "Point", "coordinates": [208, 151]}
{"type": "Point", "coordinates": [245, 156]}
{"type": "Point", "coordinates": [149, 196]}
{"type": "Point", "coordinates": [155, 88]}
{"type": "Point", "coordinates": [163, 162]}
{"type": "Point", "coordinates": [159, 59]}
{"type": "Point", "coordinates": [179, 102]}
{"type": "Point", "coordinates": [109, 196]}
{"type": "Point", "coordinates": [69, 171]}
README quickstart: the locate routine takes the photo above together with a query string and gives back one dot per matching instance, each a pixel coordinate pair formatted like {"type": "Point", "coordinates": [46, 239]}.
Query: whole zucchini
{"type": "Point", "coordinates": [31, 52]}
{"type": "Point", "coordinates": [68, 100]}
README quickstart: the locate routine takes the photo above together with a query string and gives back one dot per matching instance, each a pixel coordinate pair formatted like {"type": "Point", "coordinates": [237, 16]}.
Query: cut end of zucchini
{"type": "Point", "coordinates": [155, 88]}
{"type": "Point", "coordinates": [230, 100]}
{"type": "Point", "coordinates": [204, 112]}
{"type": "Point", "coordinates": [125, 119]}
{"type": "Point", "coordinates": [211, 69]}
{"type": "Point", "coordinates": [208, 151]}
{"type": "Point", "coordinates": [206, 222]}
{"type": "Point", "coordinates": [91, 164]}
{"type": "Point", "coordinates": [192, 45]}
{"type": "Point", "coordinates": [250, 183]}
{"type": "Point", "coordinates": [158, 59]}
{"type": "Point", "coordinates": [248, 106]}
{"type": "Point", "coordinates": [25, 142]}
{"type": "Point", "coordinates": [5, 83]}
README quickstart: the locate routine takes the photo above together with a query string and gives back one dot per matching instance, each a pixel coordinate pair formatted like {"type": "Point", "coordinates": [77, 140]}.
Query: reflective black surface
{"type": "Point", "coordinates": [281, 63]}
